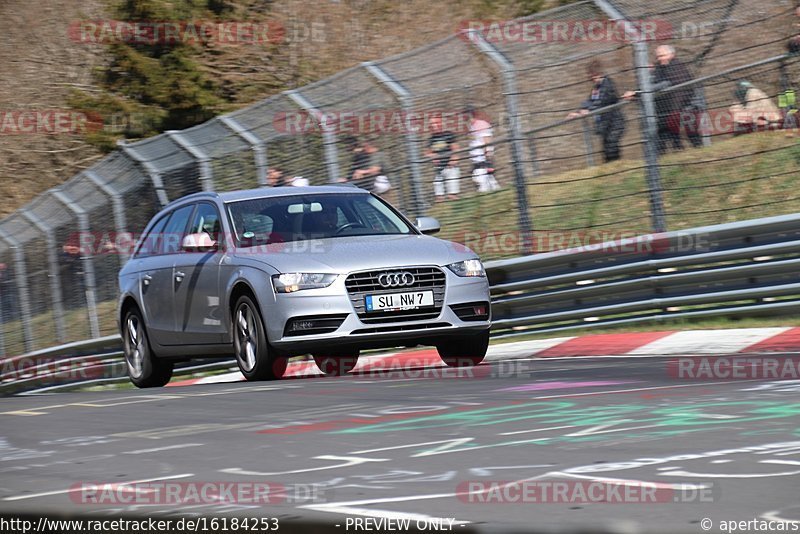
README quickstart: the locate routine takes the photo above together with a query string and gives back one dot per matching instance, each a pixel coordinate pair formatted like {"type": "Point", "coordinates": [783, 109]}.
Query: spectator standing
{"type": "Point", "coordinates": [441, 148]}
{"type": "Point", "coordinates": [668, 72]}
{"type": "Point", "coordinates": [275, 177]}
{"type": "Point", "coordinates": [609, 125]}
{"type": "Point", "coordinates": [367, 169]}
{"type": "Point", "coordinates": [793, 46]}
{"type": "Point", "coordinates": [481, 152]}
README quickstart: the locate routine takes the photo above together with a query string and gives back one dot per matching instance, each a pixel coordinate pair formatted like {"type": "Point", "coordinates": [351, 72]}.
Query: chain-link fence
{"type": "Point", "coordinates": [475, 130]}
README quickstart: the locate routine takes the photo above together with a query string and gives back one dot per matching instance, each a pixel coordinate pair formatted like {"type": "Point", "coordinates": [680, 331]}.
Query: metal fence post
{"type": "Point", "coordinates": [22, 289]}
{"type": "Point", "coordinates": [649, 125]}
{"type": "Point", "coordinates": [650, 130]}
{"type": "Point", "coordinates": [54, 273]}
{"type": "Point", "coordinates": [256, 143]}
{"type": "Point", "coordinates": [152, 171]}
{"type": "Point", "coordinates": [328, 134]}
{"type": "Point", "coordinates": [587, 140]}
{"type": "Point", "coordinates": [120, 220]}
{"type": "Point", "coordinates": [412, 139]}
{"type": "Point", "coordinates": [87, 259]}
{"type": "Point", "coordinates": [517, 146]}
{"type": "Point", "coordinates": [206, 174]}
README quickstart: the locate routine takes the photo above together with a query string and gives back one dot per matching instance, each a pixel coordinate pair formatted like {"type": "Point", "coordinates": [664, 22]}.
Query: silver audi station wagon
{"type": "Point", "coordinates": [271, 273]}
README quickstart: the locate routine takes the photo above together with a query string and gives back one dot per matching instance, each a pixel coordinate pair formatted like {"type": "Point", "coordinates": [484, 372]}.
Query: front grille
{"type": "Point", "coordinates": [359, 285]}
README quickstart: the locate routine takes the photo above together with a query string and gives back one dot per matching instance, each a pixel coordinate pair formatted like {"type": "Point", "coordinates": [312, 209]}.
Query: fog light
{"type": "Point", "coordinates": [479, 310]}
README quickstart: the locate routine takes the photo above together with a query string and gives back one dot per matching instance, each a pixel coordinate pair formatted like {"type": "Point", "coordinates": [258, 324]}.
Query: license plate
{"type": "Point", "coordinates": [399, 301]}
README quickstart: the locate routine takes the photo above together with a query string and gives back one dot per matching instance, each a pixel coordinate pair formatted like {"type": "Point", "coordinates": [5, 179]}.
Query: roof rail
{"type": "Point", "coordinates": [201, 194]}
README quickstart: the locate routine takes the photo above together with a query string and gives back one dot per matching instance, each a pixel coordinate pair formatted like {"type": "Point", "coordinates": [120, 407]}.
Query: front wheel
{"type": "Point", "coordinates": [256, 358]}
{"type": "Point", "coordinates": [144, 369]}
{"type": "Point", "coordinates": [464, 351]}
{"type": "Point", "coordinates": [336, 364]}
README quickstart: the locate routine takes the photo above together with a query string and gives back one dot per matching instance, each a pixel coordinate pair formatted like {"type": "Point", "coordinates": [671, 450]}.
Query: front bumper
{"type": "Point", "coordinates": [353, 333]}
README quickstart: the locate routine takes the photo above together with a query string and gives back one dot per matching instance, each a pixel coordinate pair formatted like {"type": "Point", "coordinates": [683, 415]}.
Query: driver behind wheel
{"type": "Point", "coordinates": [322, 223]}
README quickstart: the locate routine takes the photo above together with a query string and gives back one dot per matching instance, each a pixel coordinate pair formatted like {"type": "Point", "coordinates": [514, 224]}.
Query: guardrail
{"type": "Point", "coordinates": [738, 269]}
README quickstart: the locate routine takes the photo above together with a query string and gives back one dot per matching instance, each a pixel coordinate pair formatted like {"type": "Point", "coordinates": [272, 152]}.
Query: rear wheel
{"type": "Point", "coordinates": [144, 369]}
{"type": "Point", "coordinates": [464, 351]}
{"type": "Point", "coordinates": [336, 364]}
{"type": "Point", "coordinates": [256, 358]}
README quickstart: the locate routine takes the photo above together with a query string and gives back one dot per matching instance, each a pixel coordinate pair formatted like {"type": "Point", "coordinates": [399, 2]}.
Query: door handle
{"type": "Point", "coordinates": [179, 277]}
{"type": "Point", "coordinates": [146, 279]}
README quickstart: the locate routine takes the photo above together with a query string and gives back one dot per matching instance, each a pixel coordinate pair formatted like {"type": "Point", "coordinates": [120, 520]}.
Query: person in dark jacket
{"type": "Point", "coordinates": [672, 106]}
{"type": "Point", "coordinates": [609, 125]}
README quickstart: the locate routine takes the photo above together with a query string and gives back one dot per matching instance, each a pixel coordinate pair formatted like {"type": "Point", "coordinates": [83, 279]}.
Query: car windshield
{"type": "Point", "coordinates": [312, 216]}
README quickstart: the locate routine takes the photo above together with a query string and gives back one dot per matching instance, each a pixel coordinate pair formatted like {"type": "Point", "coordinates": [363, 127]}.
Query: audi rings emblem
{"type": "Point", "coordinates": [399, 279]}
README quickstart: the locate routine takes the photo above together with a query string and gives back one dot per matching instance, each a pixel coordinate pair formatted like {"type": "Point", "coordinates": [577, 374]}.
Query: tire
{"type": "Point", "coordinates": [336, 364]}
{"type": "Point", "coordinates": [464, 351]}
{"type": "Point", "coordinates": [256, 358]}
{"type": "Point", "coordinates": [144, 369]}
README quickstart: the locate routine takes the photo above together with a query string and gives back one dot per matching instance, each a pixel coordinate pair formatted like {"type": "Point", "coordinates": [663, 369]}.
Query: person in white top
{"type": "Point", "coordinates": [481, 152]}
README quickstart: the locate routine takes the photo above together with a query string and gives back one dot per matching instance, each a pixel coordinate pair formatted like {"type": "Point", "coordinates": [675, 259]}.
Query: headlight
{"type": "Point", "coordinates": [291, 282]}
{"type": "Point", "coordinates": [468, 268]}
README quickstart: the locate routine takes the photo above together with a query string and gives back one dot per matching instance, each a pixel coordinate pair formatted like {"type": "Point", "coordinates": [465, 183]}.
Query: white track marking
{"type": "Point", "coordinates": [773, 516]}
{"type": "Point", "coordinates": [535, 430]}
{"type": "Point", "coordinates": [348, 462]}
{"type": "Point", "coordinates": [80, 488]}
{"type": "Point", "coordinates": [167, 448]}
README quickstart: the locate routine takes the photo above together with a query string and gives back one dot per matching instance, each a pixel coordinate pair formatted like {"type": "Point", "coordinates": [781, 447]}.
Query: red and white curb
{"type": "Point", "coordinates": [630, 344]}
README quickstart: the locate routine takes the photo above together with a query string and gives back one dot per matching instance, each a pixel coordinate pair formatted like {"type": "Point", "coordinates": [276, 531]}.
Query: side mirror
{"type": "Point", "coordinates": [428, 225]}
{"type": "Point", "coordinates": [200, 242]}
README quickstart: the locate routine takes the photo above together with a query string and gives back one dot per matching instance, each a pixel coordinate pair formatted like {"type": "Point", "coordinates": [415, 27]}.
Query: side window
{"type": "Point", "coordinates": [206, 219]}
{"type": "Point", "coordinates": [152, 241]}
{"type": "Point", "coordinates": [175, 230]}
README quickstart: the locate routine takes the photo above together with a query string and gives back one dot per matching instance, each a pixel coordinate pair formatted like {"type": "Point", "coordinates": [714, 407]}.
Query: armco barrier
{"type": "Point", "coordinates": [738, 269]}
{"type": "Point", "coordinates": [742, 268]}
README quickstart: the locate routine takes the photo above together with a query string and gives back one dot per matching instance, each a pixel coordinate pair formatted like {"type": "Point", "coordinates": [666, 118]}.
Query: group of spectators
{"type": "Point", "coordinates": [443, 151]}
{"type": "Point", "coordinates": [680, 107]}
{"type": "Point", "coordinates": [368, 167]}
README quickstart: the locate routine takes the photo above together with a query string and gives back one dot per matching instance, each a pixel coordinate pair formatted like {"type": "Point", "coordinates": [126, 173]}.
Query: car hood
{"type": "Point", "coordinates": [356, 253]}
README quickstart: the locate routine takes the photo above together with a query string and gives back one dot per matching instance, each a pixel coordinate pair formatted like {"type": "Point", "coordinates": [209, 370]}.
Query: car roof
{"type": "Point", "coordinates": [266, 192]}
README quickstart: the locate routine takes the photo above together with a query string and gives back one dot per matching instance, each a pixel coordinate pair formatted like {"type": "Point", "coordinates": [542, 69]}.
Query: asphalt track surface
{"type": "Point", "coordinates": [412, 444]}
